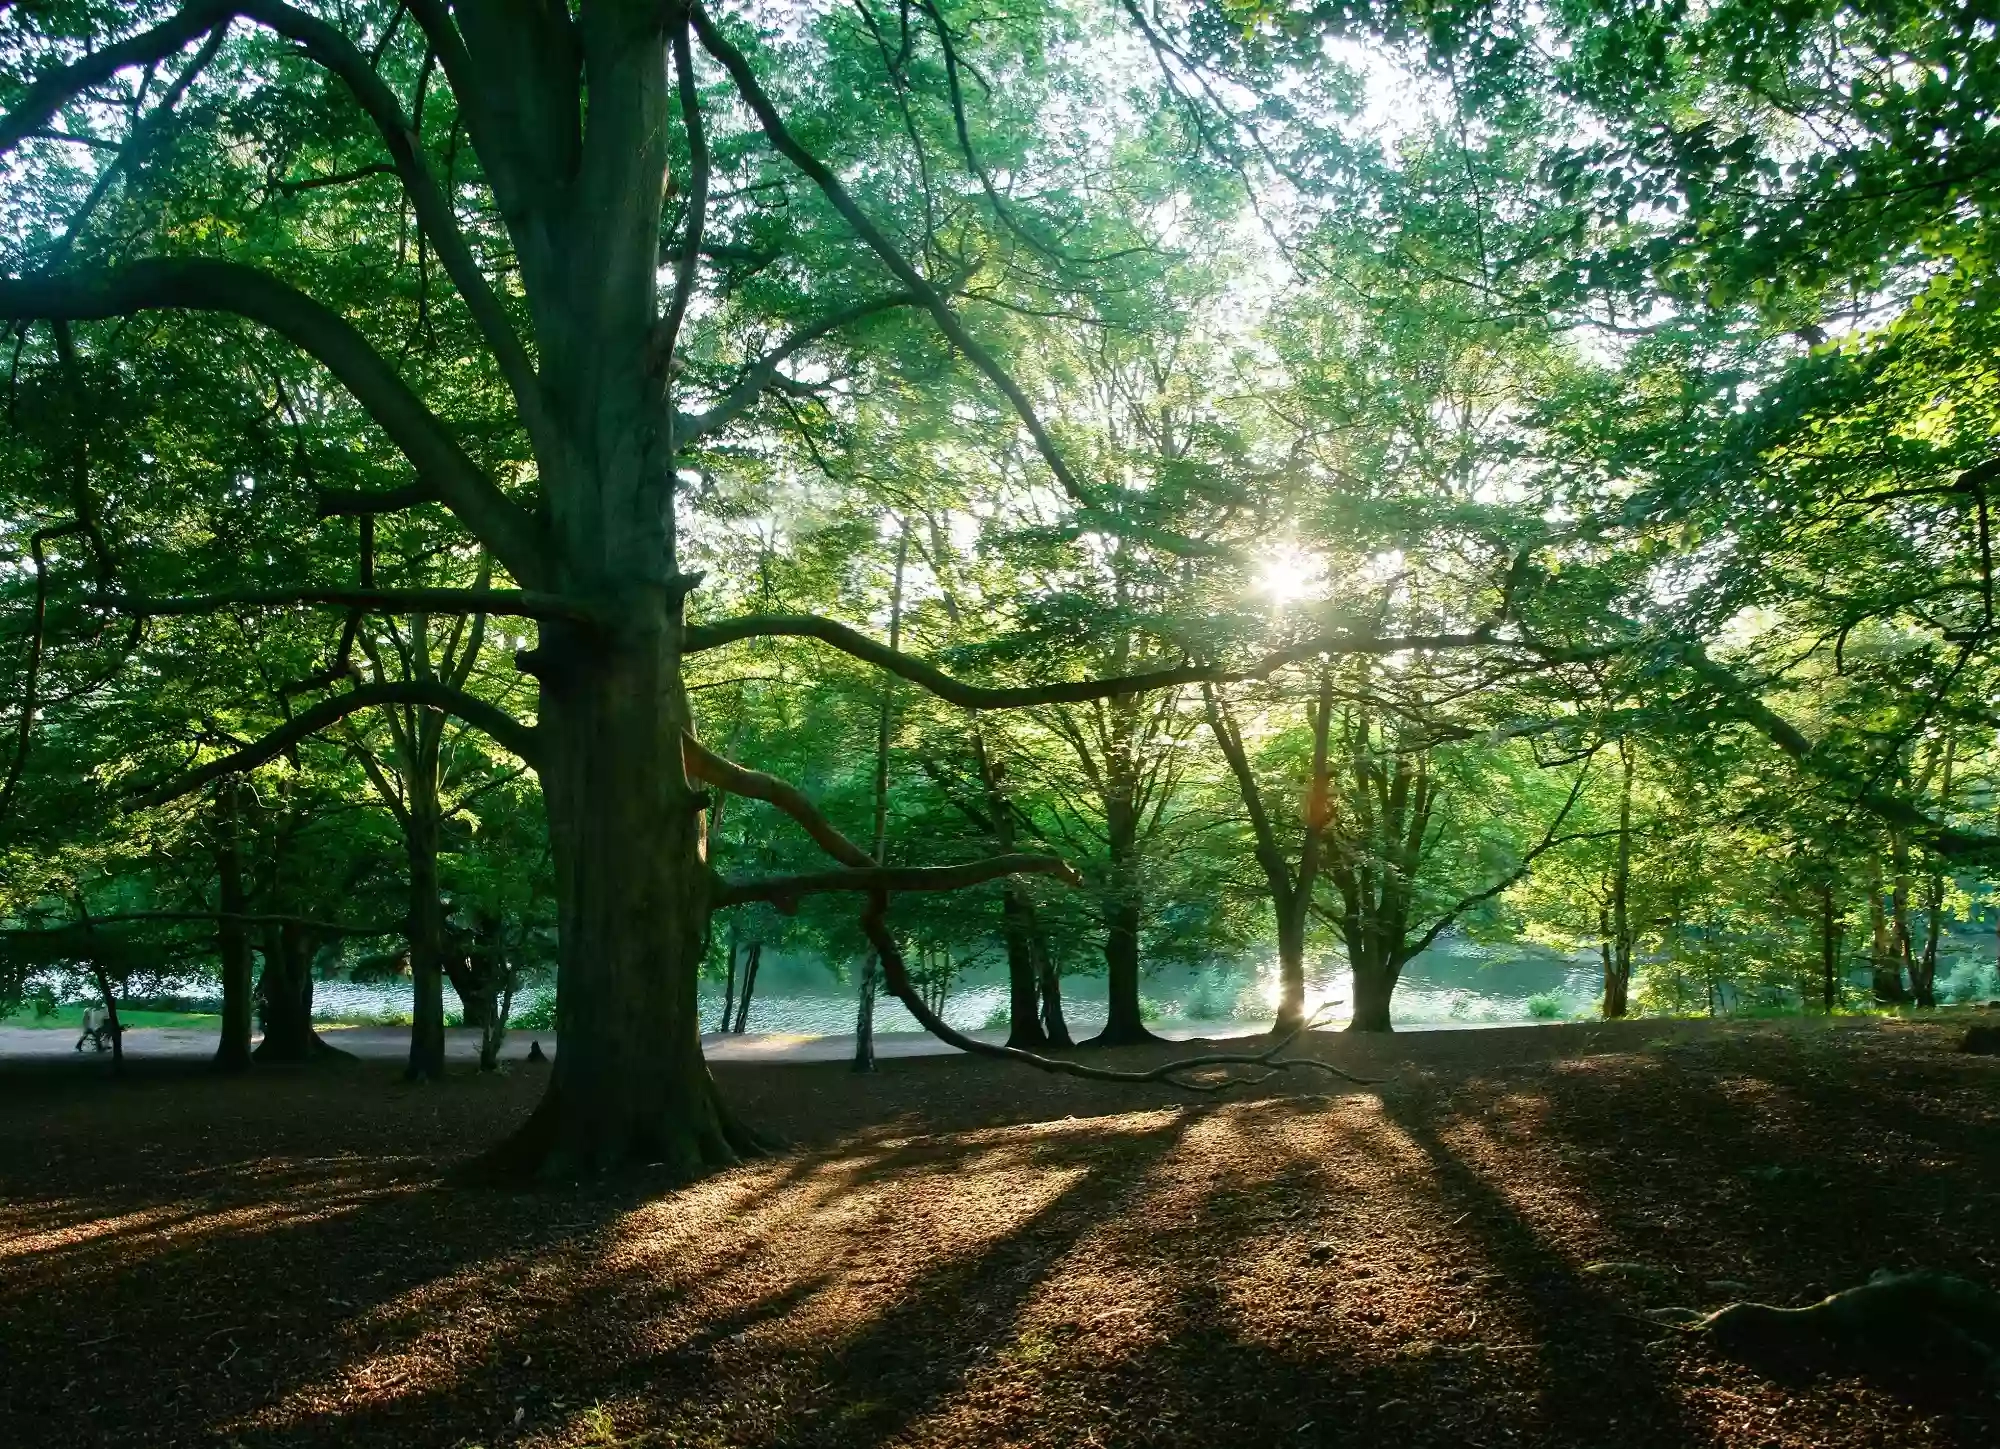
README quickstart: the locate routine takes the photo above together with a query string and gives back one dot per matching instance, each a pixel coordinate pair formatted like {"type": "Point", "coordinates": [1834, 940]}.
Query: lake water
{"type": "Point", "coordinates": [1460, 984]}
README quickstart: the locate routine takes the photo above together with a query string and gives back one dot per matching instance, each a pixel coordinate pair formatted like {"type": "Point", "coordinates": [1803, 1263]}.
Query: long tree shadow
{"type": "Point", "coordinates": [851, 1352]}
{"type": "Point", "coordinates": [1596, 1369]}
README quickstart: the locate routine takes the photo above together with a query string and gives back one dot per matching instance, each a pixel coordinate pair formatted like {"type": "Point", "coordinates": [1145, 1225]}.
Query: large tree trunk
{"type": "Point", "coordinates": [629, 1084]}
{"type": "Point", "coordinates": [285, 999]}
{"type": "Point", "coordinates": [1123, 1024]}
{"type": "Point", "coordinates": [232, 940]}
{"type": "Point", "coordinates": [1374, 986]}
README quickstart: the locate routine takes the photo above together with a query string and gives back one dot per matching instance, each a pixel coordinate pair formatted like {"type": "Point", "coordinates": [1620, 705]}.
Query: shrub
{"type": "Point", "coordinates": [1150, 1010]}
{"type": "Point", "coordinates": [1970, 981]}
{"type": "Point", "coordinates": [1000, 1018]}
{"type": "Point", "coordinates": [538, 1015]}
{"type": "Point", "coordinates": [1545, 1007]}
{"type": "Point", "coordinates": [1212, 999]}
{"type": "Point", "coordinates": [454, 1018]}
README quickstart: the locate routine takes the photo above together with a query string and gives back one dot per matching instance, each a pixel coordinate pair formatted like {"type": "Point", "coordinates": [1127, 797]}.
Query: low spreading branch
{"type": "Point", "coordinates": [1892, 809]}
{"type": "Point", "coordinates": [53, 89]}
{"type": "Point", "coordinates": [785, 890]}
{"type": "Point", "coordinates": [332, 504]}
{"type": "Point", "coordinates": [508, 603]}
{"type": "Point", "coordinates": [703, 764]}
{"type": "Point", "coordinates": [204, 284]}
{"type": "Point", "coordinates": [763, 374]}
{"type": "Point", "coordinates": [507, 731]}
{"type": "Point", "coordinates": [330, 928]}
{"type": "Point", "coordinates": [700, 637]}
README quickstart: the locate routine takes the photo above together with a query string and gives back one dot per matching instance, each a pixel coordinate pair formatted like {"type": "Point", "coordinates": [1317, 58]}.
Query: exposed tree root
{"type": "Point", "coordinates": [546, 1149]}
{"type": "Point", "coordinates": [1921, 1319]}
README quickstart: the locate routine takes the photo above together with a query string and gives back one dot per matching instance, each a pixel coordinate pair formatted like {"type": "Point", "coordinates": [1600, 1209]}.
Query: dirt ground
{"type": "Point", "coordinates": [958, 1252]}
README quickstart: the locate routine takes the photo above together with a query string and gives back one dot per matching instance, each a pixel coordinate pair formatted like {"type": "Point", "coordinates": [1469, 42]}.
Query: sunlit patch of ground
{"type": "Point", "coordinates": [963, 1253]}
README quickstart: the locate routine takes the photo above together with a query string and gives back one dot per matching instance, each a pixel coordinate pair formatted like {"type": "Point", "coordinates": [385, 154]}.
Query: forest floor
{"type": "Point", "coordinates": [964, 1252]}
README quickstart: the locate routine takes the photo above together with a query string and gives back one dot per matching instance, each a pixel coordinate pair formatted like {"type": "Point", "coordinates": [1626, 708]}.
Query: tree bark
{"type": "Point", "coordinates": [429, 938]}
{"type": "Point", "coordinates": [285, 999]}
{"type": "Point", "coordinates": [1054, 1027]}
{"type": "Point", "coordinates": [864, 1005]}
{"type": "Point", "coordinates": [729, 985]}
{"type": "Point", "coordinates": [1887, 972]}
{"type": "Point", "coordinates": [1618, 964]}
{"type": "Point", "coordinates": [1923, 975]}
{"type": "Point", "coordinates": [1292, 912]}
{"type": "Point", "coordinates": [494, 1034]}
{"type": "Point", "coordinates": [232, 1050]}
{"type": "Point", "coordinates": [750, 965]}
{"type": "Point", "coordinates": [629, 1085]}
{"type": "Point", "coordinates": [1374, 987]}
{"type": "Point", "coordinates": [480, 974]}
{"type": "Point", "coordinates": [1829, 949]}
{"type": "Point", "coordinates": [1123, 1024]}
{"type": "Point", "coordinates": [864, 1014]}
{"type": "Point", "coordinates": [1024, 1023]}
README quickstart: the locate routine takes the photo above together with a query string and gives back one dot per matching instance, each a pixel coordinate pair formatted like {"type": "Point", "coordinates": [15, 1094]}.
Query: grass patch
{"type": "Point", "coordinates": [70, 1018]}
{"type": "Point", "coordinates": [1545, 1007]}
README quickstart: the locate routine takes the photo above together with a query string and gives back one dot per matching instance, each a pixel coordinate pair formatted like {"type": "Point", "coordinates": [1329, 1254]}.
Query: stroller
{"type": "Point", "coordinates": [96, 1029]}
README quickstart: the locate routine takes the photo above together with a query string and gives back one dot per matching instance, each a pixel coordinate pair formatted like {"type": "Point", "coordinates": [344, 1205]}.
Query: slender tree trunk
{"type": "Point", "coordinates": [1618, 978]}
{"type": "Point", "coordinates": [1923, 979]}
{"type": "Point", "coordinates": [428, 937]}
{"type": "Point", "coordinates": [1024, 1023]}
{"type": "Point", "coordinates": [864, 1006]}
{"type": "Point", "coordinates": [749, 986]}
{"type": "Point", "coordinates": [729, 984]}
{"type": "Point", "coordinates": [1123, 1024]}
{"type": "Point", "coordinates": [1054, 1027]}
{"type": "Point", "coordinates": [1829, 949]}
{"type": "Point", "coordinates": [232, 1050]}
{"type": "Point", "coordinates": [1899, 908]}
{"type": "Point", "coordinates": [494, 1035]}
{"type": "Point", "coordinates": [870, 977]}
{"type": "Point", "coordinates": [1888, 976]}
{"type": "Point", "coordinates": [1292, 907]}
